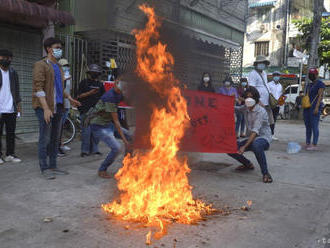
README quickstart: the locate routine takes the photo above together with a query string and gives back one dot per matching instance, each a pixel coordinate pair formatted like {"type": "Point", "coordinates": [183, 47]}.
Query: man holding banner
{"type": "Point", "coordinates": [259, 135]}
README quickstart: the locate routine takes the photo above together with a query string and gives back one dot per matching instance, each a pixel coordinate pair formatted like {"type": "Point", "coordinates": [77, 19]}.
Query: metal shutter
{"type": "Point", "coordinates": [27, 49]}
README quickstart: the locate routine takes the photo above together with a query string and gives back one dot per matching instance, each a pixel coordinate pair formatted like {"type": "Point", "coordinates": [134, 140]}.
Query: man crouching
{"type": "Point", "coordinates": [259, 135]}
{"type": "Point", "coordinates": [104, 123]}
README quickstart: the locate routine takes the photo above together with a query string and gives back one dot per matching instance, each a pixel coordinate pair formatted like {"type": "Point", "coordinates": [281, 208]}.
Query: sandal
{"type": "Point", "coordinates": [267, 178]}
{"type": "Point", "coordinates": [104, 174]}
{"type": "Point", "coordinates": [245, 167]}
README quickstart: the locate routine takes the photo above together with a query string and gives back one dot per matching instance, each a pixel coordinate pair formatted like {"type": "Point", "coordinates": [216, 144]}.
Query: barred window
{"type": "Point", "coordinates": [261, 48]}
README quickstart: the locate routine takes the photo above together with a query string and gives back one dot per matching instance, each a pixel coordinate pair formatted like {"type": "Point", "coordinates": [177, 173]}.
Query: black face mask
{"type": "Point", "coordinates": [5, 62]}
{"type": "Point", "coordinates": [311, 76]}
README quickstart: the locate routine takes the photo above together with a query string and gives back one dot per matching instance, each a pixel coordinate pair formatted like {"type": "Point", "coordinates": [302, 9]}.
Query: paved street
{"type": "Point", "coordinates": [294, 211]}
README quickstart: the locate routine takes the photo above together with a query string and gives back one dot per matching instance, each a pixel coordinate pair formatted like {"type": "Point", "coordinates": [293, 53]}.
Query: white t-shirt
{"type": "Point", "coordinates": [254, 79]}
{"type": "Point", "coordinates": [276, 89]}
{"type": "Point", "coordinates": [6, 99]}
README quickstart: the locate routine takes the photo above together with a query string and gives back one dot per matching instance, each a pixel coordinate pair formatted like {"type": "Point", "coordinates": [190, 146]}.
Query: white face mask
{"type": "Point", "coordinates": [249, 102]}
{"type": "Point", "coordinates": [261, 67]}
{"type": "Point", "coordinates": [57, 53]}
{"type": "Point", "coordinates": [227, 83]}
{"type": "Point", "coordinates": [206, 79]}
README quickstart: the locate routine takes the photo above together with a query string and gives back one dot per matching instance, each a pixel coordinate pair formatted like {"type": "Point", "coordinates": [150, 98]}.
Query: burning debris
{"type": "Point", "coordinates": [154, 184]}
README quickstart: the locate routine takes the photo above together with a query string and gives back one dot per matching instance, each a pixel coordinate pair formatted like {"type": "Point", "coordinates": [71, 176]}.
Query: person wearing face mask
{"type": "Point", "coordinates": [48, 102]}
{"type": "Point", "coordinates": [277, 90]}
{"type": "Point", "coordinates": [90, 91]}
{"type": "Point", "coordinates": [227, 88]}
{"type": "Point", "coordinates": [314, 89]}
{"type": "Point", "coordinates": [258, 132]}
{"type": "Point", "coordinates": [258, 79]}
{"type": "Point", "coordinates": [105, 126]}
{"type": "Point", "coordinates": [10, 105]}
{"type": "Point", "coordinates": [240, 117]}
{"type": "Point", "coordinates": [206, 83]}
{"type": "Point", "coordinates": [67, 88]}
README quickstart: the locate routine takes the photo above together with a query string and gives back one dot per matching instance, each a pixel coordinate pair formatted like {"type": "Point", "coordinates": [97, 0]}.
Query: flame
{"type": "Point", "coordinates": [148, 238]}
{"type": "Point", "coordinates": [154, 184]}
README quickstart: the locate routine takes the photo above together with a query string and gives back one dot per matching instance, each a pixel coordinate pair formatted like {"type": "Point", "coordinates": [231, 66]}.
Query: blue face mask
{"type": "Point", "coordinates": [276, 79]}
{"type": "Point", "coordinates": [57, 53]}
{"type": "Point", "coordinates": [261, 67]}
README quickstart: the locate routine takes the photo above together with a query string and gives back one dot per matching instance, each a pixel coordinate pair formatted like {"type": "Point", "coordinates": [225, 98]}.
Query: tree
{"type": "Point", "coordinates": [315, 36]}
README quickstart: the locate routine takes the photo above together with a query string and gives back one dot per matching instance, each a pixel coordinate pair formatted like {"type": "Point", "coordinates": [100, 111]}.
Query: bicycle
{"type": "Point", "coordinates": [71, 126]}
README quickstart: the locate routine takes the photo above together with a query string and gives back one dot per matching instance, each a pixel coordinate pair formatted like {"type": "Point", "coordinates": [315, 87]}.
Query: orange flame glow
{"type": "Point", "coordinates": [154, 184]}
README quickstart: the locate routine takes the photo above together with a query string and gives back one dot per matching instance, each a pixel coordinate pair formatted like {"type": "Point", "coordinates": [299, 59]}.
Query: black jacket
{"type": "Point", "coordinates": [14, 86]}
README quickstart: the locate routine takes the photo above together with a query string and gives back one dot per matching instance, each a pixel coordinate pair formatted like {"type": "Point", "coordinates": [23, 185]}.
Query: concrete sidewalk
{"type": "Point", "coordinates": [294, 211]}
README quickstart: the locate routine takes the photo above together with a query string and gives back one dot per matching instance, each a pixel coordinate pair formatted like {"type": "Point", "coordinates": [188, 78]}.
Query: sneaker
{"type": "Point", "coordinates": [59, 172]}
{"type": "Point", "coordinates": [1, 161]}
{"type": "Point", "coordinates": [60, 153]}
{"type": "Point", "coordinates": [48, 174]}
{"type": "Point", "coordinates": [84, 154]}
{"type": "Point", "coordinates": [312, 148]}
{"type": "Point", "coordinates": [274, 137]}
{"type": "Point", "coordinates": [12, 158]}
{"type": "Point", "coordinates": [66, 148]}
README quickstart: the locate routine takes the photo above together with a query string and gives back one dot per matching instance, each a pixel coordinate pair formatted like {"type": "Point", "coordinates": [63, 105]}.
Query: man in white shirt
{"type": "Point", "coordinates": [10, 105]}
{"type": "Point", "coordinates": [258, 79]}
{"type": "Point", "coordinates": [277, 90]}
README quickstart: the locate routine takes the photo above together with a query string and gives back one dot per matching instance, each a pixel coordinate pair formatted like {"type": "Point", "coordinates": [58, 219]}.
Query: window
{"type": "Point", "coordinates": [261, 48]}
{"type": "Point", "coordinates": [294, 90]}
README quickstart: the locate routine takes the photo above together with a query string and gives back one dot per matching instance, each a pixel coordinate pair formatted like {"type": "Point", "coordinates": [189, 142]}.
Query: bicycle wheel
{"type": "Point", "coordinates": [69, 131]}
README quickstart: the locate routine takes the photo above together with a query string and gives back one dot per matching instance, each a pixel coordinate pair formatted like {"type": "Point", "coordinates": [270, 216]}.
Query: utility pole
{"type": "Point", "coordinates": [315, 39]}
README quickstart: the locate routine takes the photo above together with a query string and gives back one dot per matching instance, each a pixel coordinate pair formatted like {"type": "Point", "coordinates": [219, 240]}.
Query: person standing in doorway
{"type": "Point", "coordinates": [206, 83]}
{"type": "Point", "coordinates": [89, 92]}
{"type": "Point", "coordinates": [227, 89]}
{"type": "Point", "coordinates": [258, 79]}
{"type": "Point", "coordinates": [10, 105]}
{"type": "Point", "coordinates": [315, 90]}
{"type": "Point", "coordinates": [67, 88]}
{"type": "Point", "coordinates": [47, 100]}
{"type": "Point", "coordinates": [277, 90]}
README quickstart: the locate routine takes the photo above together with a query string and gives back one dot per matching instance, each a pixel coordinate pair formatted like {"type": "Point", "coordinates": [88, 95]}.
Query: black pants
{"type": "Point", "coordinates": [276, 112]}
{"type": "Point", "coordinates": [9, 121]}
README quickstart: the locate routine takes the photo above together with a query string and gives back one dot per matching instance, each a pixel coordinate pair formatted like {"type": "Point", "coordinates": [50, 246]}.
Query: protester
{"type": "Point", "coordinates": [315, 90]}
{"type": "Point", "coordinates": [240, 117]}
{"type": "Point", "coordinates": [67, 88]}
{"type": "Point", "coordinates": [103, 120]}
{"type": "Point", "coordinates": [206, 83]}
{"type": "Point", "coordinates": [277, 90]}
{"type": "Point", "coordinates": [89, 92]}
{"type": "Point", "coordinates": [259, 135]}
{"type": "Point", "coordinates": [227, 88]}
{"type": "Point", "coordinates": [47, 100]}
{"type": "Point", "coordinates": [258, 79]}
{"type": "Point", "coordinates": [10, 105]}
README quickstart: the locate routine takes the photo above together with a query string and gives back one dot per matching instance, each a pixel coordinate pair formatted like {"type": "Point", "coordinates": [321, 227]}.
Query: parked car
{"type": "Point", "coordinates": [291, 92]}
{"type": "Point", "coordinates": [326, 99]}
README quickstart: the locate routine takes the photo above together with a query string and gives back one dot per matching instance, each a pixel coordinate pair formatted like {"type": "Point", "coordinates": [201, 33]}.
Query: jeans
{"type": "Point", "coordinates": [240, 122]}
{"type": "Point", "coordinates": [107, 135]}
{"type": "Point", "coordinates": [258, 146]}
{"type": "Point", "coordinates": [49, 135]}
{"type": "Point", "coordinates": [8, 120]}
{"type": "Point", "coordinates": [276, 112]}
{"type": "Point", "coordinates": [88, 142]}
{"type": "Point", "coordinates": [312, 125]}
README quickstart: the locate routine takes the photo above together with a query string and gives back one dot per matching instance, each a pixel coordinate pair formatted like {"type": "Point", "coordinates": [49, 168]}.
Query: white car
{"type": "Point", "coordinates": [291, 92]}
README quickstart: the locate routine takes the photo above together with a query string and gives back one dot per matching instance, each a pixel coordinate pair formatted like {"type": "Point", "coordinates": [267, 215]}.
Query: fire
{"type": "Point", "coordinates": [154, 184]}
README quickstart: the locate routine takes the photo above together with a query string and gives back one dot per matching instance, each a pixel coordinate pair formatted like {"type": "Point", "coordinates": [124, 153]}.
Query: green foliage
{"type": "Point", "coordinates": [305, 26]}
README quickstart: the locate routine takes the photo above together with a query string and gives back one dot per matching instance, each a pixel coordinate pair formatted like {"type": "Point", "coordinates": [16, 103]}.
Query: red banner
{"type": "Point", "coordinates": [212, 124]}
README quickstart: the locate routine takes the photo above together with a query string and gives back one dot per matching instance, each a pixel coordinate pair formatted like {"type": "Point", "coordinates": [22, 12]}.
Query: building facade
{"type": "Point", "coordinates": [23, 26]}
{"type": "Point", "coordinates": [203, 35]}
{"type": "Point", "coordinates": [271, 32]}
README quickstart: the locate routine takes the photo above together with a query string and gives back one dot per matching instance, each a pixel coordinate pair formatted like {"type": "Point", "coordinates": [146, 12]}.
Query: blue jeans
{"type": "Point", "coordinates": [107, 135]}
{"type": "Point", "coordinates": [49, 135]}
{"type": "Point", "coordinates": [240, 122]}
{"type": "Point", "coordinates": [312, 125]}
{"type": "Point", "coordinates": [88, 142]}
{"type": "Point", "coordinates": [258, 146]}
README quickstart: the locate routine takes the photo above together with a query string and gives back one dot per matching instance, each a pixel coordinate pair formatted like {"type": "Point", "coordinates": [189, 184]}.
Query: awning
{"type": "Point", "coordinates": [35, 10]}
{"type": "Point", "coordinates": [256, 4]}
